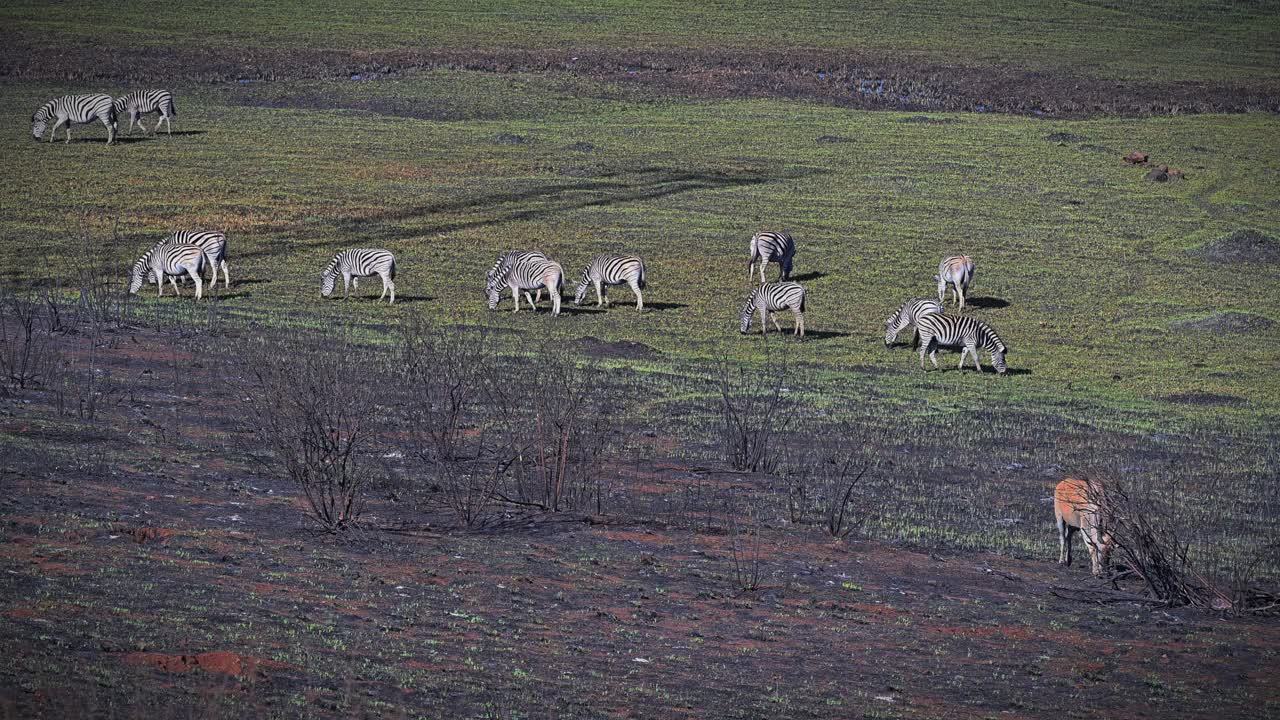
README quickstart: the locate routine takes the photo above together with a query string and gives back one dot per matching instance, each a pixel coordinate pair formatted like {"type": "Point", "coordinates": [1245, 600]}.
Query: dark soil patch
{"type": "Point", "coordinates": [1248, 246]}
{"type": "Point", "coordinates": [1065, 137]}
{"type": "Point", "coordinates": [582, 147]}
{"type": "Point", "coordinates": [510, 139]}
{"type": "Point", "coordinates": [1204, 398]}
{"type": "Point", "coordinates": [834, 139]}
{"type": "Point", "coordinates": [1231, 322]}
{"type": "Point", "coordinates": [896, 82]}
{"type": "Point", "coordinates": [618, 350]}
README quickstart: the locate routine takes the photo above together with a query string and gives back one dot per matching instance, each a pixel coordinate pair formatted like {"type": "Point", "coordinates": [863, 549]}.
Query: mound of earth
{"type": "Point", "coordinates": [621, 349]}
{"type": "Point", "coordinates": [1232, 322]}
{"type": "Point", "coordinates": [510, 139]}
{"type": "Point", "coordinates": [1241, 246]}
{"type": "Point", "coordinates": [582, 146]}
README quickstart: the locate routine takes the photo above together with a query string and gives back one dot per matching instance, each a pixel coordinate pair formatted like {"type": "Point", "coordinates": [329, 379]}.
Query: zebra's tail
{"type": "Point", "coordinates": [393, 269]}
{"type": "Point", "coordinates": [804, 298]}
{"type": "Point", "coordinates": [641, 281]}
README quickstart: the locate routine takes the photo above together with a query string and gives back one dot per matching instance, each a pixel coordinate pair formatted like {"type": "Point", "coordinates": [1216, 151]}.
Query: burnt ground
{"type": "Point", "coordinates": [844, 78]}
{"type": "Point", "coordinates": [150, 566]}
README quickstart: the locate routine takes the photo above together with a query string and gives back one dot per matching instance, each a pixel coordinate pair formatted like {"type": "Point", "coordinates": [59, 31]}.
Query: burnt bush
{"type": "Point", "coordinates": [756, 408]}
{"type": "Point", "coordinates": [316, 411]}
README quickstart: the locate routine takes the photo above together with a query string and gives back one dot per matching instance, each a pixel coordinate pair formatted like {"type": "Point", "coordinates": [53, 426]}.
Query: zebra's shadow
{"type": "Point", "coordinates": [986, 302]}
{"type": "Point", "coordinates": [126, 140]}
{"type": "Point", "coordinates": [805, 277]}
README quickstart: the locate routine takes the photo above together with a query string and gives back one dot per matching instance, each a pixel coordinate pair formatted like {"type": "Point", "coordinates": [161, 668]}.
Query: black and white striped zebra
{"type": "Point", "coordinates": [967, 333]}
{"type": "Point", "coordinates": [524, 270]}
{"type": "Point", "coordinates": [772, 247]}
{"type": "Point", "coordinates": [771, 297]}
{"type": "Point", "coordinates": [70, 109]}
{"type": "Point", "coordinates": [213, 243]}
{"type": "Point", "coordinates": [168, 260]}
{"type": "Point", "coordinates": [907, 316]}
{"type": "Point", "coordinates": [956, 270]}
{"type": "Point", "coordinates": [145, 102]}
{"type": "Point", "coordinates": [355, 264]}
{"type": "Point", "coordinates": [606, 270]}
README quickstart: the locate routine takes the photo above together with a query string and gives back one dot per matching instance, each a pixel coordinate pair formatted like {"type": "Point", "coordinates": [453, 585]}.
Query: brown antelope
{"type": "Point", "coordinates": [1076, 507]}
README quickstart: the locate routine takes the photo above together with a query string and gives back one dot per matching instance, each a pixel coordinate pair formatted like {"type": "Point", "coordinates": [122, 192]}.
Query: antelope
{"type": "Point", "coordinates": [1076, 506]}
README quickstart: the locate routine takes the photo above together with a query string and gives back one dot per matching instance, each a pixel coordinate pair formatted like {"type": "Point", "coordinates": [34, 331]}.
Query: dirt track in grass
{"type": "Point", "coordinates": [149, 565]}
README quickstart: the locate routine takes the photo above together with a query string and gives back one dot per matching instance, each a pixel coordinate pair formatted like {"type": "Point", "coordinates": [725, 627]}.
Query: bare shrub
{"type": "Point", "coordinates": [821, 483]}
{"type": "Point", "coordinates": [755, 409]}
{"type": "Point", "coordinates": [554, 425]}
{"type": "Point", "coordinates": [443, 374]}
{"type": "Point", "coordinates": [743, 513]}
{"type": "Point", "coordinates": [316, 411]}
{"type": "Point", "coordinates": [1154, 536]}
{"type": "Point", "coordinates": [27, 356]}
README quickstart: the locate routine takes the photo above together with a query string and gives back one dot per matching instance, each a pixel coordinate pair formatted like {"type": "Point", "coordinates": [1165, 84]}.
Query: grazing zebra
{"type": "Point", "coordinates": [607, 270]}
{"type": "Point", "coordinates": [908, 315]}
{"type": "Point", "coordinates": [772, 247]}
{"type": "Point", "coordinates": [525, 271]}
{"type": "Point", "coordinates": [770, 298]}
{"type": "Point", "coordinates": [144, 102]}
{"type": "Point", "coordinates": [958, 271]}
{"type": "Point", "coordinates": [75, 109]}
{"type": "Point", "coordinates": [213, 243]}
{"type": "Point", "coordinates": [952, 330]}
{"type": "Point", "coordinates": [355, 264]}
{"type": "Point", "coordinates": [168, 259]}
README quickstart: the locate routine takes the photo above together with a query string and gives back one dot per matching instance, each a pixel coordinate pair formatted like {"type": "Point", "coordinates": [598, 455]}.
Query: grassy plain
{"type": "Point", "coordinates": [1126, 354]}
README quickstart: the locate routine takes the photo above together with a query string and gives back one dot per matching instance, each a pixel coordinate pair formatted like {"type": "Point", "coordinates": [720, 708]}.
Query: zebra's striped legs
{"type": "Point", "coordinates": [515, 295]}
{"type": "Point", "coordinates": [168, 123]}
{"type": "Point", "coordinates": [635, 288]}
{"type": "Point", "coordinates": [554, 292]}
{"type": "Point", "coordinates": [931, 349]}
{"type": "Point", "coordinates": [601, 298]}
{"type": "Point", "coordinates": [774, 318]}
{"type": "Point", "coordinates": [347, 283]}
{"type": "Point", "coordinates": [195, 275]}
{"type": "Point", "coordinates": [799, 317]}
{"type": "Point", "coordinates": [387, 284]}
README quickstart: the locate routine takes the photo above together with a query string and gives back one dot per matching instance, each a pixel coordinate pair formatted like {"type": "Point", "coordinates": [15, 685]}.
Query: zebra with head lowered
{"type": "Point", "coordinates": [956, 270]}
{"type": "Point", "coordinates": [524, 270]}
{"type": "Point", "coordinates": [606, 270]}
{"type": "Point", "coordinates": [772, 247]}
{"type": "Point", "coordinates": [967, 333]}
{"type": "Point", "coordinates": [145, 102]}
{"type": "Point", "coordinates": [168, 259]}
{"type": "Point", "coordinates": [213, 243]}
{"type": "Point", "coordinates": [355, 264]}
{"type": "Point", "coordinates": [70, 109]}
{"type": "Point", "coordinates": [770, 298]}
{"type": "Point", "coordinates": [908, 315]}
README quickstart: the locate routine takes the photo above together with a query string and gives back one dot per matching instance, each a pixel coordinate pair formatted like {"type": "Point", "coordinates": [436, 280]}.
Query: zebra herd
{"type": "Point", "coordinates": [80, 109]}
{"type": "Point", "coordinates": [935, 329]}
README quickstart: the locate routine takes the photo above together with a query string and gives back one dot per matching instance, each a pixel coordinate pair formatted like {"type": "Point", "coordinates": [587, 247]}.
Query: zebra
{"type": "Point", "coordinates": [168, 259]}
{"type": "Point", "coordinates": [213, 243]}
{"type": "Point", "coordinates": [908, 315]}
{"type": "Point", "coordinates": [607, 270]}
{"type": "Point", "coordinates": [144, 102]}
{"type": "Point", "coordinates": [772, 247]}
{"type": "Point", "coordinates": [938, 330]}
{"type": "Point", "coordinates": [355, 264]}
{"type": "Point", "coordinates": [525, 270]}
{"type": "Point", "coordinates": [770, 298]}
{"type": "Point", "coordinates": [958, 271]}
{"type": "Point", "coordinates": [74, 109]}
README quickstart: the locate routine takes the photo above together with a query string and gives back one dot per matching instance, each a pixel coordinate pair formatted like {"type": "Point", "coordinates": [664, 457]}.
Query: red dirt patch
{"type": "Point", "coordinates": [142, 535]}
{"type": "Point", "coordinates": [220, 662]}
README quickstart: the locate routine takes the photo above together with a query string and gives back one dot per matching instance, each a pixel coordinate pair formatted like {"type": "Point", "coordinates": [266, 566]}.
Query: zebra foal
{"type": "Point", "coordinates": [145, 102]}
{"type": "Point", "coordinates": [606, 270]}
{"type": "Point", "coordinates": [168, 260]}
{"type": "Point", "coordinates": [355, 264]}
{"type": "Point", "coordinates": [957, 271]}
{"type": "Point", "coordinates": [524, 271]}
{"type": "Point", "coordinates": [965, 332]}
{"type": "Point", "coordinates": [772, 247]}
{"type": "Point", "coordinates": [908, 315]}
{"type": "Point", "coordinates": [70, 109]}
{"type": "Point", "coordinates": [773, 297]}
